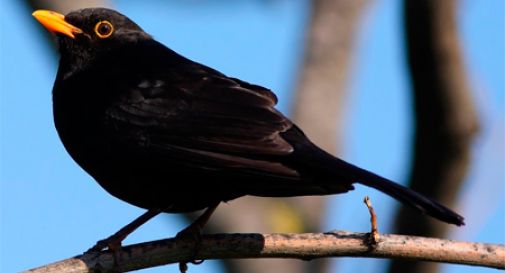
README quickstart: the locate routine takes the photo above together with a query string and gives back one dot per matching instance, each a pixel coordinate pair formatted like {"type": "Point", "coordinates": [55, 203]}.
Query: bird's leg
{"type": "Point", "coordinates": [197, 226]}
{"type": "Point", "coordinates": [194, 232]}
{"type": "Point", "coordinates": [114, 241]}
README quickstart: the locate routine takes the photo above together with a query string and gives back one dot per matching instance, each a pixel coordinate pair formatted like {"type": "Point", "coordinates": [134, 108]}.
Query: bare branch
{"type": "Point", "coordinates": [305, 246]}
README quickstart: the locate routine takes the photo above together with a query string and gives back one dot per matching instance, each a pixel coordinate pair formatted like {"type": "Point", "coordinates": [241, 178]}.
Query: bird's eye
{"type": "Point", "coordinates": [104, 29]}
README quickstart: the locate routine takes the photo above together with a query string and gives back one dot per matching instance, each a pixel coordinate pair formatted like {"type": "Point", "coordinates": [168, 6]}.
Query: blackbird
{"type": "Point", "coordinates": [168, 134]}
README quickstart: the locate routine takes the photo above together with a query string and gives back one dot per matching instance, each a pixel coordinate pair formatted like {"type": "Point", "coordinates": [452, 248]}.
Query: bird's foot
{"type": "Point", "coordinates": [113, 244]}
{"type": "Point", "coordinates": [194, 233]}
{"type": "Point", "coordinates": [191, 233]}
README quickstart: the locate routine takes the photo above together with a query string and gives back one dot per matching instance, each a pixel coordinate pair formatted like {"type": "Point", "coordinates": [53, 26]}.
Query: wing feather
{"type": "Point", "coordinates": [230, 123]}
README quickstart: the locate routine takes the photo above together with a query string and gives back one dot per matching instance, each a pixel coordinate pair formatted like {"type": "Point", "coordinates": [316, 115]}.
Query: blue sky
{"type": "Point", "coordinates": [50, 209]}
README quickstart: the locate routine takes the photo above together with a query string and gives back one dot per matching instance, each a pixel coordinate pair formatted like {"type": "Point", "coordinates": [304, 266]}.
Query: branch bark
{"type": "Point", "coordinates": [306, 246]}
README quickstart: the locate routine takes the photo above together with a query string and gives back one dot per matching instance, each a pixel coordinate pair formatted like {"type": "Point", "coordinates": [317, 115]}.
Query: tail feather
{"type": "Point", "coordinates": [408, 197]}
{"type": "Point", "coordinates": [405, 195]}
{"type": "Point", "coordinates": [335, 169]}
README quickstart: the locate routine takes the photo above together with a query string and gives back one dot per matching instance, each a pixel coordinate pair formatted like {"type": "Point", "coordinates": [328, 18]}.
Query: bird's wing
{"type": "Point", "coordinates": [209, 119]}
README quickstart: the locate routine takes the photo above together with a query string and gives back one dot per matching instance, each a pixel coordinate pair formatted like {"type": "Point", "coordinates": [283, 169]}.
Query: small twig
{"type": "Point", "coordinates": [305, 246]}
{"type": "Point", "coordinates": [374, 233]}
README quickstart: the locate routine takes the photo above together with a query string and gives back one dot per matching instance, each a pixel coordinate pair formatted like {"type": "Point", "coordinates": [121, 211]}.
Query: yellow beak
{"type": "Point", "coordinates": [55, 22]}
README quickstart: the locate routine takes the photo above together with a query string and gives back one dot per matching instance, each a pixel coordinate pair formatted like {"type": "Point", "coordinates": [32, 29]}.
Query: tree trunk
{"type": "Point", "coordinates": [445, 116]}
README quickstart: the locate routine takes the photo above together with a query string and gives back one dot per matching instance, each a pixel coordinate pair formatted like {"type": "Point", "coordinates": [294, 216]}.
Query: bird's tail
{"type": "Point", "coordinates": [337, 169]}
{"type": "Point", "coordinates": [407, 196]}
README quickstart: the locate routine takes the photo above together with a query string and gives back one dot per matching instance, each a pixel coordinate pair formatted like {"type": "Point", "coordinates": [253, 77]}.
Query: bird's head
{"type": "Point", "coordinates": [88, 33]}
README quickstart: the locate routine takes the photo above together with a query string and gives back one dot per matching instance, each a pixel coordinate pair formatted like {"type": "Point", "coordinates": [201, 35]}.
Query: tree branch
{"type": "Point", "coordinates": [305, 246]}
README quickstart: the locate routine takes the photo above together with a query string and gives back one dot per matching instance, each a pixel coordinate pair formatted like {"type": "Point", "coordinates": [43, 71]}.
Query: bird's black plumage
{"type": "Point", "coordinates": [160, 131]}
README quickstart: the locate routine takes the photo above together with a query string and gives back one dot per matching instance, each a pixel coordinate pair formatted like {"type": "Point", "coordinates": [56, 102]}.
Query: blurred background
{"type": "Point", "coordinates": [412, 90]}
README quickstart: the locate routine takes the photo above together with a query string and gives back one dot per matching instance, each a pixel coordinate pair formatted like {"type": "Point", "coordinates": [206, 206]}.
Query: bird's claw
{"type": "Point", "coordinates": [193, 233]}
{"type": "Point", "coordinates": [113, 244]}
{"type": "Point", "coordinates": [183, 266]}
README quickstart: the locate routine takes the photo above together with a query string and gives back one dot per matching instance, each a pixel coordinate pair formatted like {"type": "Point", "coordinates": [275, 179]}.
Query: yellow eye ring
{"type": "Point", "coordinates": [104, 29]}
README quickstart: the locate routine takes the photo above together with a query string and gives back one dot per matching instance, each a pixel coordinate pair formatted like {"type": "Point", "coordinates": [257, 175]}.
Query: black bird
{"type": "Point", "coordinates": [167, 134]}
